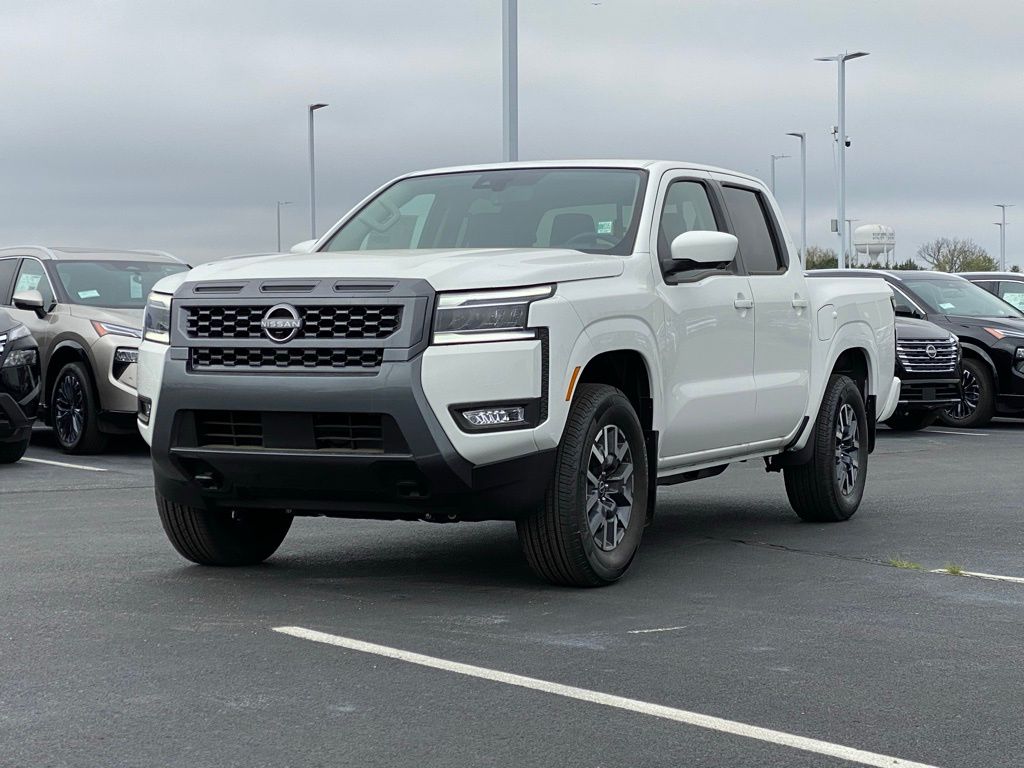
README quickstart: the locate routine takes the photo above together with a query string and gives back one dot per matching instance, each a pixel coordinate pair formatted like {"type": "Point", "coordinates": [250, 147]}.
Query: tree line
{"type": "Point", "coordinates": [944, 254]}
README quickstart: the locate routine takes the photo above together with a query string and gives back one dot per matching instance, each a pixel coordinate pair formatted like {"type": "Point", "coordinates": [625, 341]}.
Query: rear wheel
{"type": "Point", "coordinates": [589, 528]}
{"type": "Point", "coordinates": [978, 403]}
{"type": "Point", "coordinates": [75, 411]}
{"type": "Point", "coordinates": [215, 537]}
{"type": "Point", "coordinates": [11, 452]}
{"type": "Point", "coordinates": [911, 421]}
{"type": "Point", "coordinates": [829, 487]}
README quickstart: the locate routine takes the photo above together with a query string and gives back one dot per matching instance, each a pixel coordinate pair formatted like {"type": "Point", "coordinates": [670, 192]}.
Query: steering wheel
{"type": "Point", "coordinates": [583, 238]}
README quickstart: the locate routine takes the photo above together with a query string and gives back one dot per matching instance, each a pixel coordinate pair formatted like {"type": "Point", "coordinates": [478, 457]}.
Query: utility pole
{"type": "Point", "coordinates": [841, 60]}
{"type": "Point", "coordinates": [774, 158]}
{"type": "Point", "coordinates": [279, 204]}
{"type": "Point", "coordinates": [1002, 236]}
{"type": "Point", "coordinates": [312, 173]}
{"type": "Point", "coordinates": [803, 191]}
{"type": "Point", "coordinates": [510, 79]}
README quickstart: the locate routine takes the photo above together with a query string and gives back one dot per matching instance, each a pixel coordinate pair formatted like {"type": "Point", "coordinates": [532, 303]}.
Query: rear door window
{"type": "Point", "coordinates": [754, 227]}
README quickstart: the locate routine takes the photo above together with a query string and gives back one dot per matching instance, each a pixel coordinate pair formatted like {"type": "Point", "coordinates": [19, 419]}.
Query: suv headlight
{"type": "Point", "coordinates": [473, 316]}
{"type": "Point", "coordinates": [156, 325]}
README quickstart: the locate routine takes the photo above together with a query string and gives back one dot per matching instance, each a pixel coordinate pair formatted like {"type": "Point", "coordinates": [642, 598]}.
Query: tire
{"type": "Point", "coordinates": [75, 411]}
{"type": "Point", "coordinates": [911, 421]}
{"type": "Point", "coordinates": [818, 491]}
{"type": "Point", "coordinates": [11, 452]}
{"type": "Point", "coordinates": [214, 537]}
{"type": "Point", "coordinates": [979, 398]}
{"type": "Point", "coordinates": [568, 542]}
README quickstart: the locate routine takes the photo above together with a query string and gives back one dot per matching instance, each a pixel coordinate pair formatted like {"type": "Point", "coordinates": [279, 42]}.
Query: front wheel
{"type": "Point", "coordinates": [977, 405]}
{"type": "Point", "coordinates": [589, 527]}
{"type": "Point", "coordinates": [829, 487]}
{"type": "Point", "coordinates": [75, 411]}
{"type": "Point", "coordinates": [216, 537]}
{"type": "Point", "coordinates": [911, 421]}
{"type": "Point", "coordinates": [12, 452]}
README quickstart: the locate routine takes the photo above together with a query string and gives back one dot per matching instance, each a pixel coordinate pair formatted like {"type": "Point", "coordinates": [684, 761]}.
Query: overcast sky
{"type": "Point", "coordinates": [178, 124]}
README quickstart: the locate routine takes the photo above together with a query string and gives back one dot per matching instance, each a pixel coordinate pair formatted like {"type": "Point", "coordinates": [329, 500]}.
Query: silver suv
{"type": "Point", "coordinates": [84, 306]}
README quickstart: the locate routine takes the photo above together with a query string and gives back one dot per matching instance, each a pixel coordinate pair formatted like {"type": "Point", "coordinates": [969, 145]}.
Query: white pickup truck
{"type": "Point", "coordinates": [538, 342]}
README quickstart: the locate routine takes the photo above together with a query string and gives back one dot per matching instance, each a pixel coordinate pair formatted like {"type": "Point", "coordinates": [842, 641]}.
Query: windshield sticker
{"type": "Point", "coordinates": [604, 227]}
{"type": "Point", "coordinates": [946, 305]}
{"type": "Point", "coordinates": [90, 294]}
{"type": "Point", "coordinates": [135, 287]}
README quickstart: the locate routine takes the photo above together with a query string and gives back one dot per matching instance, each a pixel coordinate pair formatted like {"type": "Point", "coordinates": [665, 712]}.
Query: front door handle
{"type": "Point", "coordinates": [743, 303]}
{"type": "Point", "coordinates": [799, 303]}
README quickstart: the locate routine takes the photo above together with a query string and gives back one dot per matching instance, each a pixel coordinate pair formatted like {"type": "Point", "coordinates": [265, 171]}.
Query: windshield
{"type": "Point", "coordinates": [112, 284]}
{"type": "Point", "coordinates": [956, 296]}
{"type": "Point", "coordinates": [587, 209]}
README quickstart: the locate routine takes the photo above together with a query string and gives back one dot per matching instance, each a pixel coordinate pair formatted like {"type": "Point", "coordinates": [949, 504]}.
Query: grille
{"type": "Point", "coordinates": [928, 393]}
{"type": "Point", "coordinates": [318, 358]}
{"type": "Point", "coordinates": [318, 321]}
{"type": "Point", "coordinates": [338, 432]}
{"type": "Point", "coordinates": [914, 357]}
{"type": "Point", "coordinates": [239, 429]}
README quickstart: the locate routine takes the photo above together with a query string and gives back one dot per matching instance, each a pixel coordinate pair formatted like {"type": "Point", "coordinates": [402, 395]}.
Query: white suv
{"type": "Point", "coordinates": [538, 342]}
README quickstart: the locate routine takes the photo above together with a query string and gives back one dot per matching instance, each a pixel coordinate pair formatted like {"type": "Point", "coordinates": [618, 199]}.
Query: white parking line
{"type": "Point", "coordinates": [648, 631]}
{"type": "Point", "coordinates": [988, 576]}
{"type": "Point", "coordinates": [63, 464]}
{"type": "Point", "coordinates": [619, 702]}
{"type": "Point", "coordinates": [959, 432]}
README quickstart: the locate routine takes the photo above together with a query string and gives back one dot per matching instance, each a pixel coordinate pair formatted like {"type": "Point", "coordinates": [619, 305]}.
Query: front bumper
{"type": "Point", "coordinates": [929, 394]}
{"type": "Point", "coordinates": [417, 475]}
{"type": "Point", "coordinates": [15, 425]}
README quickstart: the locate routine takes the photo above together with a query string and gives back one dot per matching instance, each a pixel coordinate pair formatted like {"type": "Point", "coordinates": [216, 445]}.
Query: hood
{"type": "Point", "coordinates": [129, 317]}
{"type": "Point", "coordinates": [910, 328]}
{"type": "Point", "coordinates": [445, 270]}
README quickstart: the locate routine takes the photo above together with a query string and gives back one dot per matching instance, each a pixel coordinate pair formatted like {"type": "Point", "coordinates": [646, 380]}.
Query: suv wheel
{"type": "Point", "coordinates": [589, 528]}
{"type": "Point", "coordinates": [978, 405]}
{"type": "Point", "coordinates": [11, 452]}
{"type": "Point", "coordinates": [215, 537]}
{"type": "Point", "coordinates": [829, 487]}
{"type": "Point", "coordinates": [74, 410]}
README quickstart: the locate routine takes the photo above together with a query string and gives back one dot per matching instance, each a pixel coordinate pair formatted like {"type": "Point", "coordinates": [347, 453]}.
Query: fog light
{"type": "Point", "coordinates": [496, 417]}
{"type": "Point", "coordinates": [126, 355]}
{"type": "Point", "coordinates": [145, 409]}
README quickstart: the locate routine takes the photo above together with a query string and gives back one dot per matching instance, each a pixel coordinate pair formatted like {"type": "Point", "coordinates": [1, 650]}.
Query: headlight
{"type": "Point", "coordinates": [19, 357]}
{"type": "Point", "coordinates": [114, 329]}
{"type": "Point", "coordinates": [1002, 333]}
{"type": "Point", "coordinates": [156, 325]}
{"type": "Point", "coordinates": [486, 315]}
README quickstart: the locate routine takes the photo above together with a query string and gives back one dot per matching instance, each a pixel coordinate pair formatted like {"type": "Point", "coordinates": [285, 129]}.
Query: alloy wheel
{"type": "Point", "coordinates": [972, 396]}
{"type": "Point", "coordinates": [847, 449]}
{"type": "Point", "coordinates": [69, 409]}
{"type": "Point", "coordinates": [609, 488]}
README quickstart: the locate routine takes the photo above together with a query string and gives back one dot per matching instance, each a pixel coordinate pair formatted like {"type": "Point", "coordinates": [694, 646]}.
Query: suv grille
{"type": "Point", "coordinates": [318, 321]}
{"type": "Point", "coordinates": [313, 358]}
{"type": "Point", "coordinates": [927, 355]}
{"type": "Point", "coordinates": [338, 432]}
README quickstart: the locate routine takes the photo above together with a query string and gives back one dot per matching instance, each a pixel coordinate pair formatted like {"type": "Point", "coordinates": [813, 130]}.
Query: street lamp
{"type": "Point", "coordinates": [279, 204]}
{"type": "Point", "coordinates": [803, 190]}
{"type": "Point", "coordinates": [1002, 236]}
{"type": "Point", "coordinates": [841, 60]}
{"type": "Point", "coordinates": [774, 158]}
{"type": "Point", "coordinates": [312, 173]}
{"type": "Point", "coordinates": [510, 79]}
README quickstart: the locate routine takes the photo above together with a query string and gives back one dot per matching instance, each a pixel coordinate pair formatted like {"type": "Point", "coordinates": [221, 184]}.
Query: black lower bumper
{"type": "Point", "coordinates": [15, 424]}
{"type": "Point", "coordinates": [928, 394]}
{"type": "Point", "coordinates": [422, 478]}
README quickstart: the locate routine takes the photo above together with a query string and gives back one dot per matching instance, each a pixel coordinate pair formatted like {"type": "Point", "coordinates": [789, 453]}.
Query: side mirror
{"type": "Point", "coordinates": [31, 301]}
{"type": "Point", "coordinates": [908, 313]}
{"type": "Point", "coordinates": [306, 246]}
{"type": "Point", "coordinates": [705, 248]}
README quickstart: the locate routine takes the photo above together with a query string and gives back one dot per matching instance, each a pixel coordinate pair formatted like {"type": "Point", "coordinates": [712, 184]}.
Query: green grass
{"type": "Point", "coordinates": [954, 570]}
{"type": "Point", "coordinates": [899, 562]}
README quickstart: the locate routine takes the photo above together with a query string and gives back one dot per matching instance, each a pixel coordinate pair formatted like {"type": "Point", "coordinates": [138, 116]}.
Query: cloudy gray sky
{"type": "Point", "coordinates": [177, 125]}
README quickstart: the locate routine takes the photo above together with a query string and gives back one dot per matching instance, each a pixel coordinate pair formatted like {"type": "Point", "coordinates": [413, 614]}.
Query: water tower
{"type": "Point", "coordinates": [877, 242]}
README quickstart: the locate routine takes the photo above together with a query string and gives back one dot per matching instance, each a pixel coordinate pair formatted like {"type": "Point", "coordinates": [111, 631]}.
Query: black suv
{"type": "Point", "coordinates": [991, 336]}
{"type": "Point", "coordinates": [928, 365]}
{"type": "Point", "coordinates": [19, 387]}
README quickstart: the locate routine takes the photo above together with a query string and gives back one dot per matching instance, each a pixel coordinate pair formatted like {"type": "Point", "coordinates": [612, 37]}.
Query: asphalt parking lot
{"type": "Point", "coordinates": [115, 652]}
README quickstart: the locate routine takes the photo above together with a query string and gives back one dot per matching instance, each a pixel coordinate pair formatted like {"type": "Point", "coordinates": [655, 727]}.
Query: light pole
{"type": "Point", "coordinates": [841, 59]}
{"type": "Point", "coordinates": [803, 190]}
{"type": "Point", "coordinates": [312, 173]}
{"type": "Point", "coordinates": [510, 79]}
{"type": "Point", "coordinates": [279, 204]}
{"type": "Point", "coordinates": [1002, 236]}
{"type": "Point", "coordinates": [774, 158]}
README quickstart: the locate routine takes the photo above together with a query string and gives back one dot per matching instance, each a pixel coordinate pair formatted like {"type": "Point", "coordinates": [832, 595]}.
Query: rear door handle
{"type": "Point", "coordinates": [741, 303]}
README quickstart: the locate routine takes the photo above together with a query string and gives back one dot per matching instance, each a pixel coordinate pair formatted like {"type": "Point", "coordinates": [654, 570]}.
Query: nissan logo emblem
{"type": "Point", "coordinates": [281, 323]}
{"type": "Point", "coordinates": [930, 350]}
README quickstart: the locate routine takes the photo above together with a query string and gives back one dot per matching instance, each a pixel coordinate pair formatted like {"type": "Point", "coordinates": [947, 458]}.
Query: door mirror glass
{"type": "Point", "coordinates": [306, 246]}
{"type": "Point", "coordinates": [31, 301]}
{"type": "Point", "coordinates": [705, 249]}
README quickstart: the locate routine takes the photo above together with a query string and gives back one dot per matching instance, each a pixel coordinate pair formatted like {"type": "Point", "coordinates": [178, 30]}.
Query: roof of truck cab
{"type": "Point", "coordinates": [656, 166]}
{"type": "Point", "coordinates": [75, 253]}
